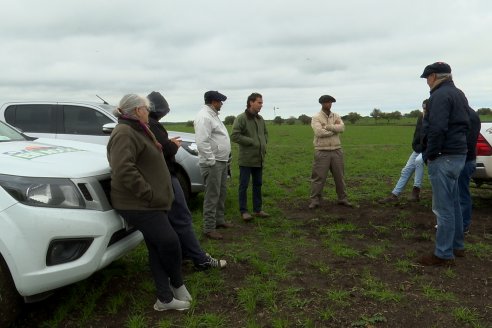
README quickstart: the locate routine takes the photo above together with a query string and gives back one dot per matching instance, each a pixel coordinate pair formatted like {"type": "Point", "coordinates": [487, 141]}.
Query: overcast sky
{"type": "Point", "coordinates": [367, 54]}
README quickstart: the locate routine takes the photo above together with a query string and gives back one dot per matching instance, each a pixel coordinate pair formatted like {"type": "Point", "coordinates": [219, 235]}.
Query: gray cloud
{"type": "Point", "coordinates": [367, 54]}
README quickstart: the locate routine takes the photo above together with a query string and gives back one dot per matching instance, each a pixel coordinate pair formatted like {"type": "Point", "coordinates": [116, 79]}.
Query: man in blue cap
{"type": "Point", "coordinates": [446, 126]}
{"type": "Point", "coordinates": [214, 148]}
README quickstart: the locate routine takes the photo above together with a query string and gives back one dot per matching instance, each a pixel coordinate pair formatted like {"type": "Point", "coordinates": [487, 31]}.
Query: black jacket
{"type": "Point", "coordinates": [169, 148]}
{"type": "Point", "coordinates": [417, 136]}
{"type": "Point", "coordinates": [446, 123]}
{"type": "Point", "coordinates": [471, 138]}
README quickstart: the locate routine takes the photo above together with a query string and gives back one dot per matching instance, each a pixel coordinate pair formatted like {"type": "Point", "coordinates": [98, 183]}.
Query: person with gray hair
{"type": "Point", "coordinates": [141, 192]}
{"type": "Point", "coordinates": [446, 125]}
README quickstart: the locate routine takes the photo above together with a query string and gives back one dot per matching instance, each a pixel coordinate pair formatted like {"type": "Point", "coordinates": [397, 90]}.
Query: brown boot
{"type": "Point", "coordinates": [415, 194]}
{"type": "Point", "coordinates": [432, 260]}
{"type": "Point", "coordinates": [390, 199]}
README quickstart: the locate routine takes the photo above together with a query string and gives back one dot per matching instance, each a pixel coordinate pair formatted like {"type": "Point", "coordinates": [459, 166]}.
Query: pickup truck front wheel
{"type": "Point", "coordinates": [10, 300]}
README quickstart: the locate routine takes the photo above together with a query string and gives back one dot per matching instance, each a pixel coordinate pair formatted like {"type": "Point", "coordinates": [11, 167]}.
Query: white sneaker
{"type": "Point", "coordinates": [181, 293]}
{"type": "Point", "coordinates": [173, 305]}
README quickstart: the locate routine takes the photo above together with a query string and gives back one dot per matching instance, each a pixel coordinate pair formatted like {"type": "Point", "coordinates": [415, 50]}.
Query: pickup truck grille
{"type": "Point", "coordinates": [106, 186]}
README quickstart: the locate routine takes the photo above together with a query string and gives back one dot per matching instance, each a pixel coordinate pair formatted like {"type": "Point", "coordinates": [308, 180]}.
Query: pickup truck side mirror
{"type": "Point", "coordinates": [108, 128]}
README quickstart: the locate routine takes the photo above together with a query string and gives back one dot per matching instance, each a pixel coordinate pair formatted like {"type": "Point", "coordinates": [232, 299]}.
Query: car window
{"type": "Point", "coordinates": [9, 134]}
{"type": "Point", "coordinates": [31, 118]}
{"type": "Point", "coordinates": [83, 120]}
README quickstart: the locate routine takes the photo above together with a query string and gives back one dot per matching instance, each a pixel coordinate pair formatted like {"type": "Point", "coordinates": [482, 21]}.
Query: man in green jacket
{"type": "Point", "coordinates": [249, 131]}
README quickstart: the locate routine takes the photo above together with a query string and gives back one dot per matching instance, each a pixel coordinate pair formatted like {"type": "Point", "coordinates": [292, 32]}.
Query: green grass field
{"type": "Point", "coordinates": [297, 269]}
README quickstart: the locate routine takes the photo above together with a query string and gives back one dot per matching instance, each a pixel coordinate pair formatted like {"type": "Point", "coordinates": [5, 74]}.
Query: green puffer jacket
{"type": "Point", "coordinates": [249, 131]}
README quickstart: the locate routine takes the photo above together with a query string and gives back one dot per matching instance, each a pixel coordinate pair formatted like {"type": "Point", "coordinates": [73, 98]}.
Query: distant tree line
{"type": "Point", "coordinates": [484, 111]}
{"type": "Point", "coordinates": [351, 117]}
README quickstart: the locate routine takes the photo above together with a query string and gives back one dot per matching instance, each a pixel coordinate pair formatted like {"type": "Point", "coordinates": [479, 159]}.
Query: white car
{"type": "Point", "coordinates": [57, 225]}
{"type": "Point", "coordinates": [483, 173]}
{"type": "Point", "coordinates": [93, 122]}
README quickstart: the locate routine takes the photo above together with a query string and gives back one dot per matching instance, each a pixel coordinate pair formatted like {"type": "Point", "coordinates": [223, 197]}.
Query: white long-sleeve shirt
{"type": "Point", "coordinates": [212, 138]}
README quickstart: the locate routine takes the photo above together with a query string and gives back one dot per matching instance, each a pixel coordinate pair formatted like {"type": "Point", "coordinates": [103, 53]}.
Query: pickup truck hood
{"type": "Point", "coordinates": [53, 158]}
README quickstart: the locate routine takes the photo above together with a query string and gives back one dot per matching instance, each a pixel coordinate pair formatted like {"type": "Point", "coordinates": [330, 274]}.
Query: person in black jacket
{"type": "Point", "coordinates": [446, 125]}
{"type": "Point", "coordinates": [179, 214]}
{"type": "Point", "coordinates": [414, 164]}
{"type": "Point", "coordinates": [468, 170]}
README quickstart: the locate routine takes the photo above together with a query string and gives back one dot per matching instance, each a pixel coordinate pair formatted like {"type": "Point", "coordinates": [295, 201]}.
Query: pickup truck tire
{"type": "Point", "coordinates": [10, 300]}
{"type": "Point", "coordinates": [185, 184]}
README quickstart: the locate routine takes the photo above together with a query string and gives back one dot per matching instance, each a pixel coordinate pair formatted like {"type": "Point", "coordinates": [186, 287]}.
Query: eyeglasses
{"type": "Point", "coordinates": [144, 107]}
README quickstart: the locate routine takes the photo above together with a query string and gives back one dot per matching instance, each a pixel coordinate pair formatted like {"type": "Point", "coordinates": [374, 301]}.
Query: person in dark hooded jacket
{"type": "Point", "coordinates": [179, 214]}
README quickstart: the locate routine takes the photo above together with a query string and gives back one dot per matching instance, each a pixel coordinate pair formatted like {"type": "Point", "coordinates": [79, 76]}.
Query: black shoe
{"type": "Point", "coordinates": [211, 263]}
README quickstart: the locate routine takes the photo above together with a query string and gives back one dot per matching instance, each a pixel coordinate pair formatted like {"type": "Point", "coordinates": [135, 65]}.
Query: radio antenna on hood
{"type": "Point", "coordinates": [104, 101]}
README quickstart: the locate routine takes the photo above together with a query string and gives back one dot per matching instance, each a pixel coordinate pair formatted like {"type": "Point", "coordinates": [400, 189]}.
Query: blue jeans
{"type": "Point", "coordinates": [407, 171]}
{"type": "Point", "coordinates": [465, 197]}
{"type": "Point", "coordinates": [244, 173]}
{"type": "Point", "coordinates": [444, 172]}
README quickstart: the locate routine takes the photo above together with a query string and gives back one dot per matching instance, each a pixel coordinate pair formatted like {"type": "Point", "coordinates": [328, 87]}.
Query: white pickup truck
{"type": "Point", "coordinates": [57, 225]}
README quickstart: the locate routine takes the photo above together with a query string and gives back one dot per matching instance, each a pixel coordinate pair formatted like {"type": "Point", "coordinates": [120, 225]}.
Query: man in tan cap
{"type": "Point", "coordinates": [328, 154]}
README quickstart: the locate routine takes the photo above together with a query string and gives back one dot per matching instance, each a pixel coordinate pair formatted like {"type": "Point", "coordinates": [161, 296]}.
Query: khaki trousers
{"type": "Point", "coordinates": [325, 160]}
{"type": "Point", "coordinates": [215, 179]}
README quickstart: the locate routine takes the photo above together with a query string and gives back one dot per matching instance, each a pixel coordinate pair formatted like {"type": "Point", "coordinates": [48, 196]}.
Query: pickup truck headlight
{"type": "Point", "coordinates": [43, 192]}
{"type": "Point", "coordinates": [190, 147]}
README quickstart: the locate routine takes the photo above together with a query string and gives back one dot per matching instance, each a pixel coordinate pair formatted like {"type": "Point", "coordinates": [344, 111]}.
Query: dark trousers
{"type": "Point", "coordinates": [244, 173]}
{"type": "Point", "coordinates": [181, 221]}
{"type": "Point", "coordinates": [163, 246]}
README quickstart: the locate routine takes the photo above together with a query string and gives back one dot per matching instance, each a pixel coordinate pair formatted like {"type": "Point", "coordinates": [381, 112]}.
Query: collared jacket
{"type": "Point", "coordinates": [250, 132]}
{"type": "Point", "coordinates": [446, 123]}
{"type": "Point", "coordinates": [212, 138]}
{"type": "Point", "coordinates": [140, 179]}
{"type": "Point", "coordinates": [327, 129]}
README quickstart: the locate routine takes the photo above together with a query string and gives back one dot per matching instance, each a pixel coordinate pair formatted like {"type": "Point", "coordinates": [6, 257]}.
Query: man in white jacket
{"type": "Point", "coordinates": [214, 148]}
{"type": "Point", "coordinates": [328, 153]}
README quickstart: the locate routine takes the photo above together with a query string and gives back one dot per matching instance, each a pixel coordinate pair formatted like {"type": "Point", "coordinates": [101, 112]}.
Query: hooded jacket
{"type": "Point", "coordinates": [140, 179]}
{"type": "Point", "coordinates": [250, 132]}
{"type": "Point", "coordinates": [169, 148]}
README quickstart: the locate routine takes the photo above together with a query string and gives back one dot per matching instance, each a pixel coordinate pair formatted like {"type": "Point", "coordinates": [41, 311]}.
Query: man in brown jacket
{"type": "Point", "coordinates": [328, 154]}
